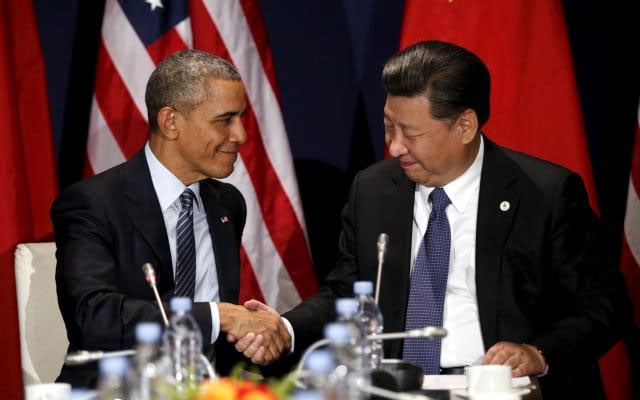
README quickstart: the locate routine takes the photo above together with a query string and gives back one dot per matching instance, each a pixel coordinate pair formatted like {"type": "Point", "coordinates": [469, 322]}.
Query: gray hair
{"type": "Point", "coordinates": [181, 82]}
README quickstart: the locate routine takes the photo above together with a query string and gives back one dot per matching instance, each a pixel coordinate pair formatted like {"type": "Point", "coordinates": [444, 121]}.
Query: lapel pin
{"type": "Point", "coordinates": [504, 206]}
{"type": "Point", "coordinates": [224, 219]}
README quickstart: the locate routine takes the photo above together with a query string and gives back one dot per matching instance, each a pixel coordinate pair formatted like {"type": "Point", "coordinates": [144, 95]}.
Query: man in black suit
{"type": "Point", "coordinates": [528, 282]}
{"type": "Point", "coordinates": [108, 226]}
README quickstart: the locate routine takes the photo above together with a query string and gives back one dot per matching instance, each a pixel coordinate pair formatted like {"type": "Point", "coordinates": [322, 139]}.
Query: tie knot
{"type": "Point", "coordinates": [186, 199]}
{"type": "Point", "coordinates": [439, 199]}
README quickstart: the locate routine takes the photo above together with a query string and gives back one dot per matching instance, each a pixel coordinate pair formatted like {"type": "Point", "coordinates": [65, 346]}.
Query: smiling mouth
{"type": "Point", "coordinates": [228, 151]}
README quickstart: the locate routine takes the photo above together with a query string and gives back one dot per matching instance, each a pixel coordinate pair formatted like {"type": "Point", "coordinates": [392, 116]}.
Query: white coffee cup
{"type": "Point", "coordinates": [488, 379]}
{"type": "Point", "coordinates": [48, 391]}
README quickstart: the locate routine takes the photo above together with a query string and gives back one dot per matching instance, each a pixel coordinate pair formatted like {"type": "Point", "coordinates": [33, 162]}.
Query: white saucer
{"type": "Point", "coordinates": [518, 390]}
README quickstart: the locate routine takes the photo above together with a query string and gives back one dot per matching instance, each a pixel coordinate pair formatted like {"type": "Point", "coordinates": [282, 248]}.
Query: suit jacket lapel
{"type": "Point", "coordinates": [497, 207]}
{"type": "Point", "coordinates": [146, 215]}
{"type": "Point", "coordinates": [224, 243]}
{"type": "Point", "coordinates": [397, 223]}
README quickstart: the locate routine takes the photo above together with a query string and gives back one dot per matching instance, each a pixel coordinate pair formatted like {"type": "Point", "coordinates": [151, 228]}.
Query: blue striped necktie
{"type": "Point", "coordinates": [428, 285]}
{"type": "Point", "coordinates": [185, 248]}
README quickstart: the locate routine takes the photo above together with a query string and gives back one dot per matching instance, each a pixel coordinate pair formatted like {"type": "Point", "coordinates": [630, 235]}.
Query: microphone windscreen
{"type": "Point", "coordinates": [382, 239]}
{"type": "Point", "coordinates": [149, 272]}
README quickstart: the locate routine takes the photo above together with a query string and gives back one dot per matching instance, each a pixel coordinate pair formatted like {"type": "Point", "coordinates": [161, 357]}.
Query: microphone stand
{"type": "Point", "coordinates": [428, 332]}
{"type": "Point", "coordinates": [382, 249]}
{"type": "Point", "coordinates": [150, 275]}
{"type": "Point", "coordinates": [84, 356]}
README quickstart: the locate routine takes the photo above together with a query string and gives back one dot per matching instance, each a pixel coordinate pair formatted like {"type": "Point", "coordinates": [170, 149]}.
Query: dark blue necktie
{"type": "Point", "coordinates": [428, 285]}
{"type": "Point", "coordinates": [185, 248]}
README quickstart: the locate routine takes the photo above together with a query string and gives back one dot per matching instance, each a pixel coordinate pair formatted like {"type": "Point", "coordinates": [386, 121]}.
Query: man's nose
{"type": "Point", "coordinates": [239, 133]}
{"type": "Point", "coordinates": [396, 147]}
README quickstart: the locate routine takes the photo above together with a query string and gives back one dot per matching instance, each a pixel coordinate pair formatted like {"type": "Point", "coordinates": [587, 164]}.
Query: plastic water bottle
{"type": "Point", "coordinates": [370, 320]}
{"type": "Point", "coordinates": [112, 383]}
{"type": "Point", "coordinates": [318, 367]}
{"type": "Point", "coordinates": [346, 378]}
{"type": "Point", "coordinates": [347, 308]}
{"type": "Point", "coordinates": [145, 375]}
{"type": "Point", "coordinates": [183, 346]}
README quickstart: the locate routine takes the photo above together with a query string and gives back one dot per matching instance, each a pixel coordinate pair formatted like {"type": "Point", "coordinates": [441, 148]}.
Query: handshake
{"type": "Point", "coordinates": [257, 330]}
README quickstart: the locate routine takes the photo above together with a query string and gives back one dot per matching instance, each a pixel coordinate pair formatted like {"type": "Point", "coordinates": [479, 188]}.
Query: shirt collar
{"type": "Point", "coordinates": [461, 190]}
{"type": "Point", "coordinates": [167, 186]}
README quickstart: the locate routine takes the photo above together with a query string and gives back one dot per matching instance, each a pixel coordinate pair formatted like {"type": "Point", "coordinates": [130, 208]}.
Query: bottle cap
{"type": "Point", "coordinates": [307, 395]}
{"type": "Point", "coordinates": [320, 361]}
{"type": "Point", "coordinates": [114, 365]}
{"type": "Point", "coordinates": [180, 304]}
{"type": "Point", "coordinates": [346, 307]}
{"type": "Point", "coordinates": [337, 333]}
{"type": "Point", "coordinates": [363, 287]}
{"type": "Point", "coordinates": [148, 332]}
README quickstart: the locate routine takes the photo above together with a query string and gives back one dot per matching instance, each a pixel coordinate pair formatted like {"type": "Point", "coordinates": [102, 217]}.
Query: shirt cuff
{"type": "Point", "coordinates": [290, 329]}
{"type": "Point", "coordinates": [546, 364]}
{"type": "Point", "coordinates": [545, 372]}
{"type": "Point", "coordinates": [215, 321]}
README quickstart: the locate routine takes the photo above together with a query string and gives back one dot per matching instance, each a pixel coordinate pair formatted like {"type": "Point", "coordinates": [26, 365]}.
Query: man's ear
{"type": "Point", "coordinates": [467, 125]}
{"type": "Point", "coordinates": [167, 123]}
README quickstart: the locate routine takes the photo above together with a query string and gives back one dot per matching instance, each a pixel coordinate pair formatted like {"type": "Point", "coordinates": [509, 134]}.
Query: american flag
{"type": "Point", "coordinates": [137, 35]}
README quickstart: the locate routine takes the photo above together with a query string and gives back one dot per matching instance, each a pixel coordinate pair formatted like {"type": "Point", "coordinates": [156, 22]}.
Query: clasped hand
{"type": "Point", "coordinates": [257, 331]}
{"type": "Point", "coordinates": [524, 359]}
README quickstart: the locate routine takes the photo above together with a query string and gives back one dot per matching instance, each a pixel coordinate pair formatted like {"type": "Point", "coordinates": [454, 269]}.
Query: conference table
{"type": "Point", "coordinates": [445, 394]}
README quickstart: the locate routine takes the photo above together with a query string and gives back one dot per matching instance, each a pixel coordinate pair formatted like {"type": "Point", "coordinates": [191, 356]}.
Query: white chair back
{"type": "Point", "coordinates": [43, 337]}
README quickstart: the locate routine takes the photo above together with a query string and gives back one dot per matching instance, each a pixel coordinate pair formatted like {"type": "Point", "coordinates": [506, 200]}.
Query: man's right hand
{"type": "Point", "coordinates": [263, 335]}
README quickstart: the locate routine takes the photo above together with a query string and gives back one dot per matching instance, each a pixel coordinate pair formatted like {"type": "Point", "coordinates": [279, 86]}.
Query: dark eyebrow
{"type": "Point", "coordinates": [403, 126]}
{"type": "Point", "coordinates": [230, 114]}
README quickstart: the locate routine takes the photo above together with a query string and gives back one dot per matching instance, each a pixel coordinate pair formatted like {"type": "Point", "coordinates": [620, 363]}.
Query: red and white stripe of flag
{"type": "Point", "coordinates": [630, 257]}
{"type": "Point", "coordinates": [276, 261]}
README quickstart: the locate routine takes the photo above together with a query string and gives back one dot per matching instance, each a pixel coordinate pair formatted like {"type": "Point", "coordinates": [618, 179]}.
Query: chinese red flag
{"type": "Point", "coordinates": [27, 168]}
{"type": "Point", "coordinates": [535, 106]}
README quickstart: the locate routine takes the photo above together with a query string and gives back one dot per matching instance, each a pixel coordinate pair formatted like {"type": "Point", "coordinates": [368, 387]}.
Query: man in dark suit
{"type": "Point", "coordinates": [141, 211]}
{"type": "Point", "coordinates": [526, 280]}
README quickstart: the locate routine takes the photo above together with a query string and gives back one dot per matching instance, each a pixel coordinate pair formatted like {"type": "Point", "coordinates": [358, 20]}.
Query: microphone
{"type": "Point", "coordinates": [84, 356]}
{"type": "Point", "coordinates": [150, 275]}
{"type": "Point", "coordinates": [428, 332]}
{"type": "Point", "coordinates": [383, 238]}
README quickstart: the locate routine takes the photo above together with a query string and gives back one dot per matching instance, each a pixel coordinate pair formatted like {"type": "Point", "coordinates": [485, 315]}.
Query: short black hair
{"type": "Point", "coordinates": [180, 81]}
{"type": "Point", "coordinates": [452, 78]}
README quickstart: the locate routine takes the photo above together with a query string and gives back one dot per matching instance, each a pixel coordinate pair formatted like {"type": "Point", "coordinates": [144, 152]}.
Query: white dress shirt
{"type": "Point", "coordinates": [463, 345]}
{"type": "Point", "coordinates": [168, 190]}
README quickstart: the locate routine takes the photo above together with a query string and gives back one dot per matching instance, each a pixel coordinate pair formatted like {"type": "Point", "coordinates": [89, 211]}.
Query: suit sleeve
{"type": "Point", "coordinates": [309, 317]}
{"type": "Point", "coordinates": [585, 282]}
{"type": "Point", "coordinates": [90, 283]}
